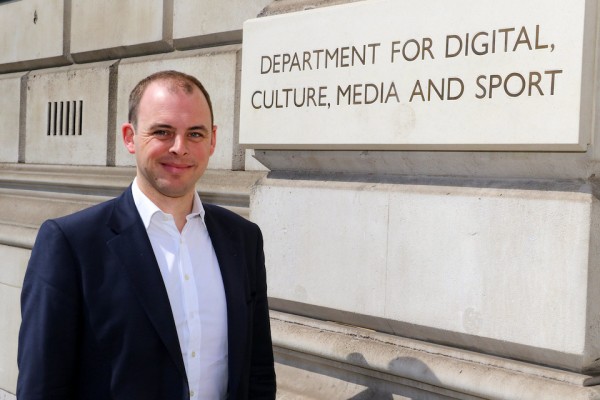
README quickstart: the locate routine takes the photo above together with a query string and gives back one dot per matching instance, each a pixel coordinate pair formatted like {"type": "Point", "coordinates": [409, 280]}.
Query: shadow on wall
{"type": "Point", "coordinates": [384, 390]}
{"type": "Point", "coordinates": [372, 394]}
{"type": "Point", "coordinates": [354, 378]}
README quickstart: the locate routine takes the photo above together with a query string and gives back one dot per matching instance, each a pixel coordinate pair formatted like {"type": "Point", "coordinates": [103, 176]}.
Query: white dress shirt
{"type": "Point", "coordinates": [191, 274]}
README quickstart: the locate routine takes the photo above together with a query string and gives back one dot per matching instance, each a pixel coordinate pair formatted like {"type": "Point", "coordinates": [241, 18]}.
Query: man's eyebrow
{"type": "Point", "coordinates": [167, 126]}
{"type": "Point", "coordinates": [160, 126]}
{"type": "Point", "coordinates": [198, 128]}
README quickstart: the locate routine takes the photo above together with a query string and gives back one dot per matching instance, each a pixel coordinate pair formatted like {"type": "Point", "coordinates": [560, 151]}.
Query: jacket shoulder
{"type": "Point", "coordinates": [227, 216]}
{"type": "Point", "coordinates": [116, 214]}
{"type": "Point", "coordinates": [95, 214]}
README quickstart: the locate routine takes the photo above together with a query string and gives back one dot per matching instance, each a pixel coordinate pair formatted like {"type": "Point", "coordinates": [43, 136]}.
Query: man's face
{"type": "Point", "coordinates": [173, 141]}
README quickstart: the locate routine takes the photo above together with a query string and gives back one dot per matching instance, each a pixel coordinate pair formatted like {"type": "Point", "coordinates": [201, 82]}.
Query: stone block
{"type": "Point", "coordinates": [33, 33]}
{"type": "Point", "coordinates": [217, 72]}
{"type": "Point", "coordinates": [11, 280]}
{"type": "Point", "coordinates": [497, 270]}
{"type": "Point", "coordinates": [318, 359]}
{"type": "Point", "coordinates": [509, 265]}
{"type": "Point", "coordinates": [12, 274]}
{"type": "Point", "coordinates": [22, 208]}
{"type": "Point", "coordinates": [67, 115]}
{"type": "Point", "coordinates": [10, 87]}
{"type": "Point", "coordinates": [324, 246]}
{"type": "Point", "coordinates": [212, 21]}
{"type": "Point", "coordinates": [6, 396]}
{"type": "Point", "coordinates": [252, 164]}
{"type": "Point", "coordinates": [119, 28]}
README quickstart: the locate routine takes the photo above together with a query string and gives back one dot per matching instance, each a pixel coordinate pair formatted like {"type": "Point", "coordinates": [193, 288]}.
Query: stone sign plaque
{"type": "Point", "coordinates": [421, 74]}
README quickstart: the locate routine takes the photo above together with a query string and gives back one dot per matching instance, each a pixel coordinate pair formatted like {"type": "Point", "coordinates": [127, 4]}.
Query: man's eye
{"type": "Point", "coordinates": [160, 133]}
{"type": "Point", "coordinates": [196, 135]}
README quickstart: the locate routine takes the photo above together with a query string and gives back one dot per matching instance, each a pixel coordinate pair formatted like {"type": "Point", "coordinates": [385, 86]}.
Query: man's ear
{"type": "Point", "coordinates": [128, 137]}
{"type": "Point", "coordinates": [213, 139]}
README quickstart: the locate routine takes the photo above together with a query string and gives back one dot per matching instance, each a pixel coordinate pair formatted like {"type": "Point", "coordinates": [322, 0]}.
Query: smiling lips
{"type": "Point", "coordinates": [175, 167]}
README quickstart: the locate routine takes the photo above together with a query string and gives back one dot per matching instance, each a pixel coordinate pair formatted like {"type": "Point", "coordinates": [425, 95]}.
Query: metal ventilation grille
{"type": "Point", "coordinates": [65, 118]}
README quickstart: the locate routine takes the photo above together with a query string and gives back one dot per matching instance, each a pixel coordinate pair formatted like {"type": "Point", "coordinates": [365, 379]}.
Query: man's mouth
{"type": "Point", "coordinates": [176, 167]}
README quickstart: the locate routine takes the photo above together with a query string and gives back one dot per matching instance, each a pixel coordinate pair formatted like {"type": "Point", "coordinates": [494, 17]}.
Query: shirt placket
{"type": "Point", "coordinates": [190, 301]}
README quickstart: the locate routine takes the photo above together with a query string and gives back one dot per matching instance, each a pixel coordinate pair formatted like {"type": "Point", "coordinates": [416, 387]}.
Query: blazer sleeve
{"type": "Point", "coordinates": [262, 373]}
{"type": "Point", "coordinates": [51, 319]}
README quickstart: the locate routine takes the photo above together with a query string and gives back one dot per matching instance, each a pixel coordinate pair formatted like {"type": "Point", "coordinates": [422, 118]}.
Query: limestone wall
{"type": "Point", "coordinates": [443, 274]}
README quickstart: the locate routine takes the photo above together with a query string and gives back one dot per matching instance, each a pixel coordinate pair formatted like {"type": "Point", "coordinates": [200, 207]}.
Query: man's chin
{"type": "Point", "coordinates": [174, 191]}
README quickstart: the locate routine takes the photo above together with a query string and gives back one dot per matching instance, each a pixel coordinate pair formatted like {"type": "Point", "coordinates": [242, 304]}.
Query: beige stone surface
{"type": "Point", "coordinates": [87, 86]}
{"type": "Point", "coordinates": [252, 164]}
{"type": "Point", "coordinates": [331, 256]}
{"type": "Point", "coordinates": [11, 280]}
{"type": "Point", "coordinates": [501, 270]}
{"type": "Point", "coordinates": [503, 264]}
{"type": "Point", "coordinates": [215, 69]}
{"type": "Point", "coordinates": [324, 360]}
{"type": "Point", "coordinates": [35, 29]}
{"type": "Point", "coordinates": [10, 87]}
{"type": "Point", "coordinates": [117, 25]}
{"type": "Point", "coordinates": [204, 17]}
{"type": "Point", "coordinates": [4, 395]}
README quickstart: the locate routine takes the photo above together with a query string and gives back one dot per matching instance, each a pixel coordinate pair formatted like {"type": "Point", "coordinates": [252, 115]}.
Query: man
{"type": "Point", "coordinates": [152, 295]}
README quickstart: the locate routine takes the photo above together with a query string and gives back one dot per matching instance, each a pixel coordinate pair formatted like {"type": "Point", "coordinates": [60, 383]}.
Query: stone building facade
{"type": "Point", "coordinates": [393, 274]}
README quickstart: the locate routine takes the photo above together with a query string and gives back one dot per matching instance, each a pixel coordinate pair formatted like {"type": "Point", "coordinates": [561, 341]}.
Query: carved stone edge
{"type": "Point", "coordinates": [6, 396]}
{"type": "Point", "coordinates": [84, 186]}
{"type": "Point", "coordinates": [287, 6]}
{"type": "Point", "coordinates": [396, 359]}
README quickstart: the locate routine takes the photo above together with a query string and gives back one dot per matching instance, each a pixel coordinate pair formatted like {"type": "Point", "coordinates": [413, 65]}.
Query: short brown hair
{"type": "Point", "coordinates": [181, 80]}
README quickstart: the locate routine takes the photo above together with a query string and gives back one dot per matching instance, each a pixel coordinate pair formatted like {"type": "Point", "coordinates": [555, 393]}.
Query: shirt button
{"type": "Point", "coordinates": [192, 393]}
{"type": "Point", "coordinates": [193, 354]}
{"type": "Point", "coordinates": [186, 277]}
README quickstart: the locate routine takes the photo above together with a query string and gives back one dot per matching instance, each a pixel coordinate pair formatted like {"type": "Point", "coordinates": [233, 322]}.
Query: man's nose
{"type": "Point", "coordinates": [179, 145]}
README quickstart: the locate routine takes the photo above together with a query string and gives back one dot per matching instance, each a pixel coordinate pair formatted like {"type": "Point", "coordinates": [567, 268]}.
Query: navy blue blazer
{"type": "Point", "coordinates": [96, 318]}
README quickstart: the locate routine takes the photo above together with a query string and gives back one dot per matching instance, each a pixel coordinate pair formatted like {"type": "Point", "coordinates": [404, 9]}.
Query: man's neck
{"type": "Point", "coordinates": [178, 207]}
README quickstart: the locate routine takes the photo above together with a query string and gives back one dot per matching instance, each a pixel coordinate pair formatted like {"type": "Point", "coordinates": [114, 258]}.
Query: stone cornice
{"type": "Point", "coordinates": [354, 351]}
{"type": "Point", "coordinates": [46, 191]}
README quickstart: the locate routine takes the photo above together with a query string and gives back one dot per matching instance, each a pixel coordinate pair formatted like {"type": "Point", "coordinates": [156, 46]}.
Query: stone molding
{"type": "Point", "coordinates": [401, 362]}
{"type": "Point", "coordinates": [287, 6]}
{"type": "Point", "coordinates": [6, 396]}
{"type": "Point", "coordinates": [56, 190]}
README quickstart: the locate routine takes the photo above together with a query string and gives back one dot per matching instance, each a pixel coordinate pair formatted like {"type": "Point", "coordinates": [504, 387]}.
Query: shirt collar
{"type": "Point", "coordinates": [147, 209]}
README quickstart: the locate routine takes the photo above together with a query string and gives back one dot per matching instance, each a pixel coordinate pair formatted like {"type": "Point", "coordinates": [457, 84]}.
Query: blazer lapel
{"type": "Point", "coordinates": [133, 248]}
{"type": "Point", "coordinates": [226, 242]}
